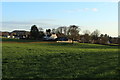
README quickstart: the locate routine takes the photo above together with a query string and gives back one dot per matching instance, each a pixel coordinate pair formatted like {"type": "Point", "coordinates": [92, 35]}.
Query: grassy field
{"type": "Point", "coordinates": [17, 40]}
{"type": "Point", "coordinates": [59, 60]}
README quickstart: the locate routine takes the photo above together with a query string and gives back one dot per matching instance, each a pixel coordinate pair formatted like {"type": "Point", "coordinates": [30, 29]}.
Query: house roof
{"type": "Point", "coordinates": [19, 31]}
{"type": "Point", "coordinates": [5, 33]}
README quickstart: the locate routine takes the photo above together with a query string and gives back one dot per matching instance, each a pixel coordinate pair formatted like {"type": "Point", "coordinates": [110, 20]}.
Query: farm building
{"type": "Point", "coordinates": [20, 34]}
{"type": "Point", "coordinates": [6, 34]}
{"type": "Point", "coordinates": [52, 37]}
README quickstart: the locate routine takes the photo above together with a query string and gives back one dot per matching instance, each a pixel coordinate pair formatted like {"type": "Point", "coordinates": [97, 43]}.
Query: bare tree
{"type": "Point", "coordinates": [94, 35]}
{"type": "Point", "coordinates": [86, 32]}
{"type": "Point", "coordinates": [41, 33]}
{"type": "Point", "coordinates": [53, 30]}
{"type": "Point", "coordinates": [104, 39]}
{"type": "Point", "coordinates": [86, 37]}
{"type": "Point", "coordinates": [73, 32]}
{"type": "Point", "coordinates": [40, 29]}
{"type": "Point", "coordinates": [62, 30]}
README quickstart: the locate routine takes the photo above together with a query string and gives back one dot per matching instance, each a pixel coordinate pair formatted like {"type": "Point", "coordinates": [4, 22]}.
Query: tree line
{"type": "Point", "coordinates": [72, 32]}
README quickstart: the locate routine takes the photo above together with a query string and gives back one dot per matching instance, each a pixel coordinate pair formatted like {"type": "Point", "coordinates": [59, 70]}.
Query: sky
{"type": "Point", "coordinates": [87, 15]}
{"type": "Point", "coordinates": [60, 0]}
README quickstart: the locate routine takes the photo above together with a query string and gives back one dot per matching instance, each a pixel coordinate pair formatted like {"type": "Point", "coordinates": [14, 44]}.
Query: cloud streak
{"type": "Point", "coordinates": [13, 25]}
{"type": "Point", "coordinates": [72, 10]}
{"type": "Point", "coordinates": [81, 10]}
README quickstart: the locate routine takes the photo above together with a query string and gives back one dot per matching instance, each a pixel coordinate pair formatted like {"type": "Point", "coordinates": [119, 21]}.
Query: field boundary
{"type": "Point", "coordinates": [25, 42]}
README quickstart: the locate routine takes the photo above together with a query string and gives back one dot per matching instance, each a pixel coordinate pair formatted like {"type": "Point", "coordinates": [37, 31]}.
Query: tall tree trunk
{"type": "Point", "coordinates": [72, 41]}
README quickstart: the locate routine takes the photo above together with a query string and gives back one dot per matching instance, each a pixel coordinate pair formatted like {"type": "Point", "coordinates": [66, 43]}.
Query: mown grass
{"type": "Point", "coordinates": [59, 60]}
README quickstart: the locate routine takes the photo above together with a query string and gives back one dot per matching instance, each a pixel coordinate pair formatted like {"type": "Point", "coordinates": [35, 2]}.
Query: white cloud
{"type": "Point", "coordinates": [72, 10]}
{"type": "Point", "coordinates": [86, 9]}
{"type": "Point", "coordinates": [81, 10]}
{"type": "Point", "coordinates": [13, 25]}
{"type": "Point", "coordinates": [95, 9]}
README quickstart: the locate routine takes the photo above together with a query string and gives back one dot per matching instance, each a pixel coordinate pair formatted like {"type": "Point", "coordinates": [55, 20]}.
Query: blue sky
{"type": "Point", "coordinates": [88, 15]}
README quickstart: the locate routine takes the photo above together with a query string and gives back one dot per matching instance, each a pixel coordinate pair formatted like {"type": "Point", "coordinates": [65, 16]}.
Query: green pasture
{"type": "Point", "coordinates": [17, 40]}
{"type": "Point", "coordinates": [59, 60]}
